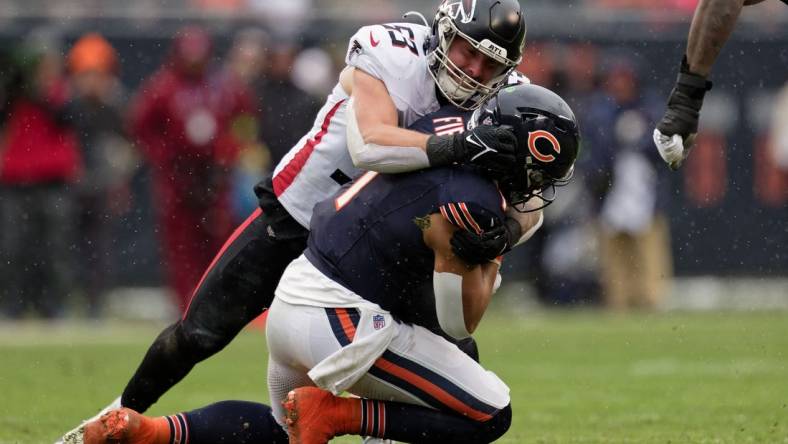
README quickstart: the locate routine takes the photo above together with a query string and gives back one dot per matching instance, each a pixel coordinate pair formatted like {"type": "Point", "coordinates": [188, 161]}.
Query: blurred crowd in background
{"type": "Point", "coordinates": [99, 174]}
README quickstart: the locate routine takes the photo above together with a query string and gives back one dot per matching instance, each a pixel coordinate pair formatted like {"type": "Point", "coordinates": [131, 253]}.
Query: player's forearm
{"type": "Point", "coordinates": [387, 135]}
{"type": "Point", "coordinates": [374, 139]}
{"type": "Point", "coordinates": [385, 148]}
{"type": "Point", "coordinates": [477, 293]}
{"type": "Point", "coordinates": [712, 24]}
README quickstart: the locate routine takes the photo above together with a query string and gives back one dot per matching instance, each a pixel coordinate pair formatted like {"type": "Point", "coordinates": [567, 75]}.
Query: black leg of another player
{"type": "Point", "coordinates": [237, 288]}
{"type": "Point", "coordinates": [240, 422]}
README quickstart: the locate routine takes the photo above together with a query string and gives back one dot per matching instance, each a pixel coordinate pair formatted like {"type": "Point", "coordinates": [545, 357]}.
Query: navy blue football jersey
{"type": "Point", "coordinates": [369, 237]}
{"type": "Point", "coordinates": [447, 120]}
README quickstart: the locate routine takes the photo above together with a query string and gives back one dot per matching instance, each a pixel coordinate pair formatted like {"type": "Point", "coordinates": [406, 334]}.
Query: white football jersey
{"type": "Point", "coordinates": [315, 168]}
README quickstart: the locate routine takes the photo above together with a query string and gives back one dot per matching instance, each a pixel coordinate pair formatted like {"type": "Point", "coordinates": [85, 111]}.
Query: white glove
{"type": "Point", "coordinates": [497, 283]}
{"type": "Point", "coordinates": [672, 149]}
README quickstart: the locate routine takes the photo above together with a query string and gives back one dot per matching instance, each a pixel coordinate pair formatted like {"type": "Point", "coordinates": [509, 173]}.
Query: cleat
{"type": "Point", "coordinates": [74, 436]}
{"type": "Point", "coordinates": [77, 431]}
{"type": "Point", "coordinates": [121, 426]}
{"type": "Point", "coordinates": [314, 416]}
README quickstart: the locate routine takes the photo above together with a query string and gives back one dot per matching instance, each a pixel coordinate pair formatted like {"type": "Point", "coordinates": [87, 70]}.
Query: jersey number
{"type": "Point", "coordinates": [351, 192]}
{"type": "Point", "coordinates": [398, 37]}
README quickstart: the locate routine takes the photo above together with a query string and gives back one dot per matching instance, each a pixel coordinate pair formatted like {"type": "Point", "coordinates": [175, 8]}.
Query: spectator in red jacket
{"type": "Point", "coordinates": [183, 119]}
{"type": "Point", "coordinates": [39, 160]}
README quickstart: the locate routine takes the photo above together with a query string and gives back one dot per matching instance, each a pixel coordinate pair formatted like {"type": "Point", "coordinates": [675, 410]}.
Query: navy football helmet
{"type": "Point", "coordinates": [548, 141]}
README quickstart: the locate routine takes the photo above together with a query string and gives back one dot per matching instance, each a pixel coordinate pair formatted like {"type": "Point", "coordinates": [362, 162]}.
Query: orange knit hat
{"type": "Point", "coordinates": [92, 52]}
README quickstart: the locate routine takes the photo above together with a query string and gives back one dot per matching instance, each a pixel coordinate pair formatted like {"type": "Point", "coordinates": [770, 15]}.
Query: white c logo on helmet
{"type": "Point", "coordinates": [533, 136]}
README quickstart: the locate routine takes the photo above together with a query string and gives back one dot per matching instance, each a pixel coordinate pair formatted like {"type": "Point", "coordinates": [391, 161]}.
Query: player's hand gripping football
{"type": "Point", "coordinates": [486, 146]}
{"type": "Point", "coordinates": [675, 132]}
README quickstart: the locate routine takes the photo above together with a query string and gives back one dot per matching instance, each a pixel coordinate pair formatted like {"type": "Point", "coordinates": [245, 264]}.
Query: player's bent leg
{"type": "Point", "coordinates": [233, 421]}
{"type": "Point", "coordinates": [235, 289]}
{"type": "Point", "coordinates": [423, 385]}
{"type": "Point", "coordinates": [314, 416]}
{"type": "Point", "coordinates": [168, 360]}
{"type": "Point", "coordinates": [226, 421]}
{"type": "Point", "coordinates": [422, 368]}
{"type": "Point", "coordinates": [456, 399]}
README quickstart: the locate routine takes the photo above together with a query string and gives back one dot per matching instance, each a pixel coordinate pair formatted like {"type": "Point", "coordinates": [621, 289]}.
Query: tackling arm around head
{"type": "Point", "coordinates": [376, 143]}
{"type": "Point", "coordinates": [374, 140]}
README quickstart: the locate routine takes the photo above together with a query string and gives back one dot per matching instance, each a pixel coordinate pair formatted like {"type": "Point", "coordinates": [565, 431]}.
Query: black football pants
{"type": "Point", "coordinates": [237, 287]}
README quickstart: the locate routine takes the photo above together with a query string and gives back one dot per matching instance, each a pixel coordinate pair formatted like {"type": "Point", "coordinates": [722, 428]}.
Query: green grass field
{"type": "Point", "coordinates": [577, 377]}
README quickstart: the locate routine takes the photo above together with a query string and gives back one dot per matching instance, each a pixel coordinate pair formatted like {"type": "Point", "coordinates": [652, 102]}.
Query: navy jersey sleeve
{"type": "Point", "coordinates": [447, 120]}
{"type": "Point", "coordinates": [471, 202]}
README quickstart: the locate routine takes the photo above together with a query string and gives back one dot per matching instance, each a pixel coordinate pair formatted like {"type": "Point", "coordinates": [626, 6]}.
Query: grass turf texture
{"type": "Point", "coordinates": [578, 377]}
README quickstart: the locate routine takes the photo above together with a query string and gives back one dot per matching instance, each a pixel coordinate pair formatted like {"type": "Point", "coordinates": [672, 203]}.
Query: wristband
{"type": "Point", "coordinates": [692, 84]}
{"type": "Point", "coordinates": [440, 150]}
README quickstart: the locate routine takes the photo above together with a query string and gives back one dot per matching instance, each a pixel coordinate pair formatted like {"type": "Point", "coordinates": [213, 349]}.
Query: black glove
{"type": "Point", "coordinates": [684, 104]}
{"type": "Point", "coordinates": [486, 146]}
{"type": "Point", "coordinates": [480, 248]}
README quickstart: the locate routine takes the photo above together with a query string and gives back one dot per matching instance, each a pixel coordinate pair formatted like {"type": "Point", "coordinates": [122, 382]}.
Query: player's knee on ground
{"type": "Point", "coordinates": [494, 428]}
{"type": "Point", "coordinates": [469, 431]}
{"type": "Point", "coordinates": [498, 425]}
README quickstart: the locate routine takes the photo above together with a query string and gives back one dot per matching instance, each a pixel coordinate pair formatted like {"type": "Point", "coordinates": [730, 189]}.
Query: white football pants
{"type": "Point", "coordinates": [419, 367]}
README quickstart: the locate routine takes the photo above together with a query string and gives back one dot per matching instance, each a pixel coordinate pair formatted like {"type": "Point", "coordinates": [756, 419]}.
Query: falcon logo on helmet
{"type": "Point", "coordinates": [495, 28]}
{"type": "Point", "coordinates": [462, 9]}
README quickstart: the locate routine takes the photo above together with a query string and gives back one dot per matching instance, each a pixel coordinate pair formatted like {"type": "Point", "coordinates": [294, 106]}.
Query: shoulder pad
{"type": "Point", "coordinates": [460, 215]}
{"type": "Point", "coordinates": [387, 50]}
{"type": "Point", "coordinates": [472, 203]}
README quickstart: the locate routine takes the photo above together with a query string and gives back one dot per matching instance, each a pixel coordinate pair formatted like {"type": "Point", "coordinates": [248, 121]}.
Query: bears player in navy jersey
{"type": "Point", "coordinates": [368, 249]}
{"type": "Point", "coordinates": [355, 297]}
{"type": "Point", "coordinates": [712, 24]}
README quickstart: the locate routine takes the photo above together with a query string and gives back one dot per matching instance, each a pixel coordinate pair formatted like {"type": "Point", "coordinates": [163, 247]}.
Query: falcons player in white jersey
{"type": "Point", "coordinates": [395, 74]}
{"type": "Point", "coordinates": [386, 86]}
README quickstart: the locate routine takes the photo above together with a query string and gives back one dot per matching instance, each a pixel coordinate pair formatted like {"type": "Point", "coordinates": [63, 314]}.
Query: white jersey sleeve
{"type": "Point", "coordinates": [315, 168]}
{"type": "Point", "coordinates": [394, 53]}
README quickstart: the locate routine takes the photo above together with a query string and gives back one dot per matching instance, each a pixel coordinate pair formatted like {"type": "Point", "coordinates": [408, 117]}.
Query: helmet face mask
{"type": "Point", "coordinates": [495, 29]}
{"type": "Point", "coordinates": [536, 183]}
{"type": "Point", "coordinates": [548, 142]}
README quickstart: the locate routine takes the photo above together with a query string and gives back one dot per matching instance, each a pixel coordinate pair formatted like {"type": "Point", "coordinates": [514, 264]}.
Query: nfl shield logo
{"type": "Point", "coordinates": [378, 322]}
